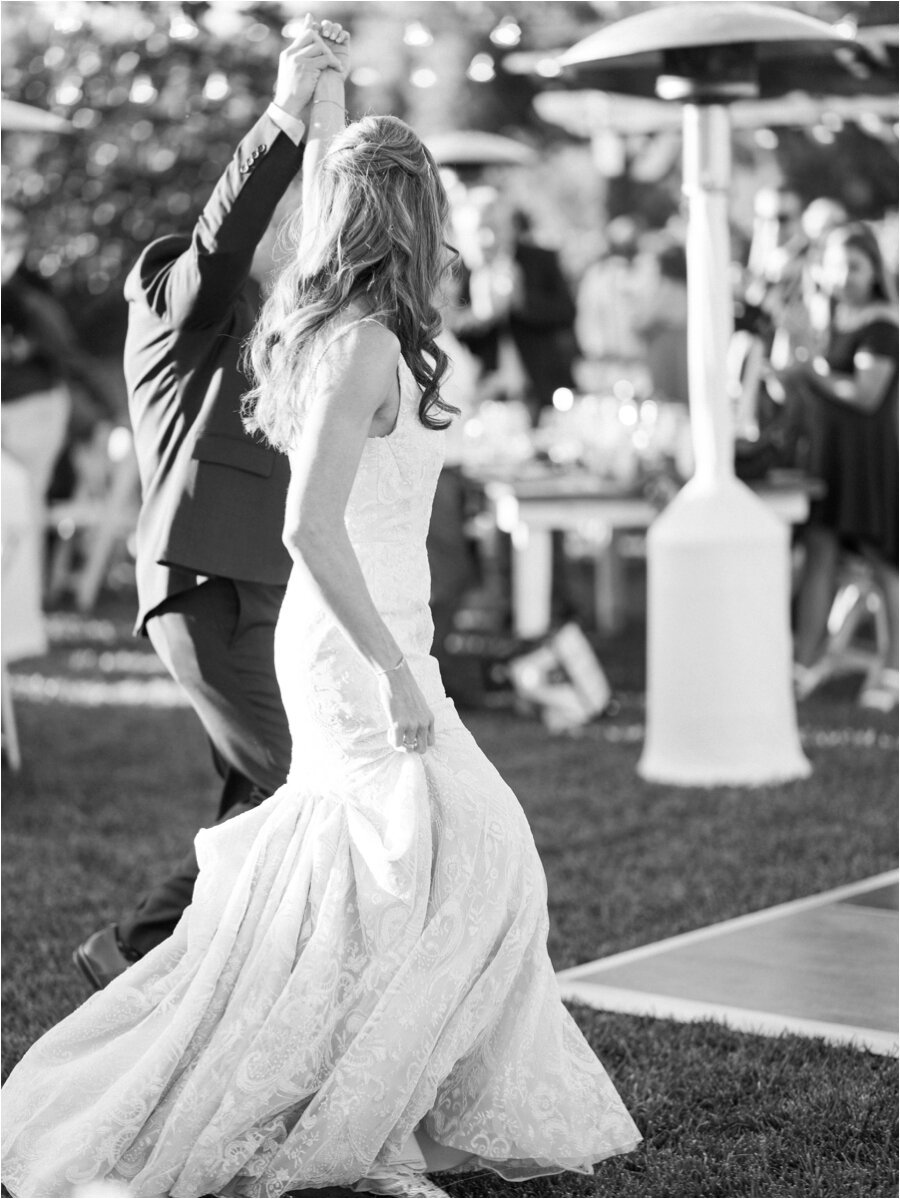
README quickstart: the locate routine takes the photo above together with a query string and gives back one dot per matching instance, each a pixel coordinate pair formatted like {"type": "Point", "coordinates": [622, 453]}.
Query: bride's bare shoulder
{"type": "Point", "coordinates": [360, 332]}
{"type": "Point", "coordinates": [359, 350]}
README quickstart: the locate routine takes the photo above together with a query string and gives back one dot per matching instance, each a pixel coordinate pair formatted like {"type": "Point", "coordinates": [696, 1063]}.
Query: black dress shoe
{"type": "Point", "coordinates": [100, 959]}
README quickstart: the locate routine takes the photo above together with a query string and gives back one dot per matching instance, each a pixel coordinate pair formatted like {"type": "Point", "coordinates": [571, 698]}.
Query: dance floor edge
{"type": "Point", "coordinates": [823, 966]}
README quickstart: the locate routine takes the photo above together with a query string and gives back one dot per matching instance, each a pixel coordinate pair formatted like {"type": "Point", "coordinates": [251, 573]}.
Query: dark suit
{"type": "Point", "coordinates": [542, 326]}
{"type": "Point", "coordinates": [211, 566]}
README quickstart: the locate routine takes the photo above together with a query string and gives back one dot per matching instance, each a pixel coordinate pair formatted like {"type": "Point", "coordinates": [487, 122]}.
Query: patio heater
{"type": "Point", "coordinates": [25, 118]}
{"type": "Point", "coordinates": [720, 708]}
{"type": "Point", "coordinates": [474, 149]}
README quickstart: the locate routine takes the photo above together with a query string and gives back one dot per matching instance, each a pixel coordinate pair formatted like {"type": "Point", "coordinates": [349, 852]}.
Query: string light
{"type": "Point", "coordinates": [649, 412]}
{"type": "Point", "coordinates": [128, 62]}
{"type": "Point", "coordinates": [417, 34]}
{"type": "Point", "coordinates": [217, 87]}
{"type": "Point", "coordinates": [86, 244]}
{"type": "Point", "coordinates": [506, 33]}
{"type": "Point", "coordinates": [162, 159]}
{"type": "Point", "coordinates": [142, 90]}
{"type": "Point", "coordinates": [85, 118]}
{"type": "Point", "coordinates": [845, 27]}
{"type": "Point", "coordinates": [142, 29]}
{"type": "Point", "coordinates": [766, 139]}
{"type": "Point", "coordinates": [870, 122]}
{"type": "Point", "coordinates": [179, 203]}
{"type": "Point", "coordinates": [423, 77]}
{"type": "Point", "coordinates": [365, 76]}
{"type": "Point", "coordinates": [628, 414]}
{"type": "Point", "coordinates": [89, 62]}
{"type": "Point", "coordinates": [68, 92]}
{"type": "Point", "coordinates": [66, 23]}
{"type": "Point", "coordinates": [105, 154]}
{"type": "Point", "coordinates": [182, 28]}
{"type": "Point", "coordinates": [548, 68]}
{"type": "Point", "coordinates": [481, 69]}
{"type": "Point", "coordinates": [104, 213]}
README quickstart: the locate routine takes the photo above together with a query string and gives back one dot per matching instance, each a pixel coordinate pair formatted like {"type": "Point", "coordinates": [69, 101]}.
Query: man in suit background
{"type": "Point", "coordinates": [541, 317]}
{"type": "Point", "coordinates": [211, 568]}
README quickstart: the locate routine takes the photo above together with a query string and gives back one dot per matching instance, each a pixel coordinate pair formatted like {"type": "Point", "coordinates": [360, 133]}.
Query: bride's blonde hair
{"type": "Point", "coordinates": [375, 235]}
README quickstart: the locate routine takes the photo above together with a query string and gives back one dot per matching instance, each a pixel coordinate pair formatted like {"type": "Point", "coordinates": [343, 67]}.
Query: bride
{"type": "Point", "coordinates": [361, 991]}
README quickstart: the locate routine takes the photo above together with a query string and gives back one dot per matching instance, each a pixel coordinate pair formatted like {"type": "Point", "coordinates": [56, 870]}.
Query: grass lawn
{"type": "Point", "coordinates": [117, 778]}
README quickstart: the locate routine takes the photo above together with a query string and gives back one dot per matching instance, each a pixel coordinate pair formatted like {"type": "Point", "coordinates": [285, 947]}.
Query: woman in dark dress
{"type": "Point", "coordinates": [850, 400]}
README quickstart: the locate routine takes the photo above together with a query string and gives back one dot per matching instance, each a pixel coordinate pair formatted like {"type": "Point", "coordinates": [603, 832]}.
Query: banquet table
{"type": "Point", "coordinates": [532, 509]}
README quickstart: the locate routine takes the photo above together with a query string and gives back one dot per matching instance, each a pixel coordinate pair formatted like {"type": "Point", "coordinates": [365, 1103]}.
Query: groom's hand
{"type": "Point", "coordinates": [302, 62]}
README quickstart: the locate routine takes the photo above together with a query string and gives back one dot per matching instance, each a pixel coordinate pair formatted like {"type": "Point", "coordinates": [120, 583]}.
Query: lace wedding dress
{"type": "Point", "coordinates": [364, 966]}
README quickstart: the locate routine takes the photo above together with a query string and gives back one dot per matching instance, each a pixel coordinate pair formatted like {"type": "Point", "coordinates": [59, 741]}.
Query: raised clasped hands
{"type": "Point", "coordinates": [337, 40]}
{"type": "Point", "coordinates": [317, 48]}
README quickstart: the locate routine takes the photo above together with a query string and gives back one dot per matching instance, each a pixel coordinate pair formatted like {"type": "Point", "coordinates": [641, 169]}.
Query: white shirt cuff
{"type": "Point", "coordinates": [292, 127]}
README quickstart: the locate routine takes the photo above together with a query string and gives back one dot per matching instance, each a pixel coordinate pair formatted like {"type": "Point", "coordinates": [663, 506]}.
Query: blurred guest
{"type": "Point", "coordinates": [41, 359]}
{"type": "Point", "coordinates": [788, 279]}
{"type": "Point", "coordinates": [781, 316]}
{"type": "Point", "coordinates": [211, 566]}
{"type": "Point", "coordinates": [776, 226]}
{"type": "Point", "coordinates": [541, 316]}
{"type": "Point", "coordinates": [662, 319]}
{"type": "Point", "coordinates": [606, 303]}
{"type": "Point", "coordinates": [450, 553]}
{"type": "Point", "coordinates": [478, 311]}
{"type": "Point", "coordinates": [849, 405]}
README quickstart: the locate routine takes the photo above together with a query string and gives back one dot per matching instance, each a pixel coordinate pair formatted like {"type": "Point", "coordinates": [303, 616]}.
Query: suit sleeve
{"type": "Point", "coordinates": [200, 285]}
{"type": "Point", "coordinates": [880, 338]}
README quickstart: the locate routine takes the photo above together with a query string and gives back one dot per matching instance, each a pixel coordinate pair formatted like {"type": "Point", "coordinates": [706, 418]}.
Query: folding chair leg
{"type": "Point", "coordinates": [847, 613]}
{"type": "Point", "coordinates": [856, 601]}
{"type": "Point", "coordinates": [10, 733]}
{"type": "Point", "coordinates": [105, 536]}
{"type": "Point", "coordinates": [98, 554]}
{"type": "Point", "coordinates": [60, 570]}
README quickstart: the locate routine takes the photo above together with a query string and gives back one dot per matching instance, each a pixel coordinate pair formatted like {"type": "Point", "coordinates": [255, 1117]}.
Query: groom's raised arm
{"type": "Point", "coordinates": [204, 282]}
{"type": "Point", "coordinates": [198, 286]}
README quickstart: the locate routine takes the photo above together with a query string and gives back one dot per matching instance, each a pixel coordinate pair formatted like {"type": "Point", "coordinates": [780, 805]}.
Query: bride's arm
{"type": "Point", "coordinates": [327, 112]}
{"type": "Point", "coordinates": [356, 377]}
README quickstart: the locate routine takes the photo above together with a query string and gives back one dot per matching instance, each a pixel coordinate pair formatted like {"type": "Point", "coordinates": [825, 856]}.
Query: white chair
{"type": "Point", "coordinates": [858, 602]}
{"type": "Point", "coordinates": [100, 516]}
{"type": "Point", "coordinates": [22, 631]}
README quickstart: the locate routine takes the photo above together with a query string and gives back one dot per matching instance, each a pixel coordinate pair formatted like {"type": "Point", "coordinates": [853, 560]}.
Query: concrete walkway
{"type": "Point", "coordinates": [825, 966]}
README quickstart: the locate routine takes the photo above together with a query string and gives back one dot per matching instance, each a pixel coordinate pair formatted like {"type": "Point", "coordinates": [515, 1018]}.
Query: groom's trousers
{"type": "Point", "coordinates": [217, 641]}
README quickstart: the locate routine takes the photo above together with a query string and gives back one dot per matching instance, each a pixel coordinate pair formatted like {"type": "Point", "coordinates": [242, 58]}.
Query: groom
{"type": "Point", "coordinates": [211, 568]}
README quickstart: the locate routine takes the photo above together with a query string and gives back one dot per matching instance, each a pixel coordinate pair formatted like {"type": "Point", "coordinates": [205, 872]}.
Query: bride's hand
{"type": "Point", "coordinates": [410, 720]}
{"type": "Point", "coordinates": [337, 40]}
{"type": "Point", "coordinates": [302, 64]}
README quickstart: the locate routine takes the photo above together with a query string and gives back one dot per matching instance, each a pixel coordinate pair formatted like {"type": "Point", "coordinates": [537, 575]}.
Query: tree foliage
{"type": "Point", "coordinates": [158, 92]}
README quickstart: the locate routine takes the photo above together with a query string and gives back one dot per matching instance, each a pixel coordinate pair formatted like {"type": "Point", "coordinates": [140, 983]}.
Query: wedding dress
{"type": "Point", "coordinates": [365, 955]}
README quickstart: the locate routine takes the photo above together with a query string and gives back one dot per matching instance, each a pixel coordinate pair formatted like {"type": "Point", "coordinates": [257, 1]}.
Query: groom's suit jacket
{"type": "Point", "coordinates": [212, 497]}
